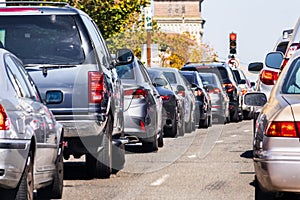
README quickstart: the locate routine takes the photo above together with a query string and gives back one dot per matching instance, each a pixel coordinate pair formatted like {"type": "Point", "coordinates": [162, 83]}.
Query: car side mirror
{"type": "Point", "coordinates": [255, 66]}
{"type": "Point", "coordinates": [124, 56]}
{"type": "Point", "coordinates": [255, 99]}
{"type": "Point", "coordinates": [274, 60]}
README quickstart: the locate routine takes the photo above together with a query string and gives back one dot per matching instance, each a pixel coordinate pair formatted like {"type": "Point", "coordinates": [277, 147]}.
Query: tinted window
{"type": "Point", "coordinates": [125, 71]}
{"type": "Point", "coordinates": [51, 39]}
{"type": "Point", "coordinates": [221, 72]}
{"type": "Point", "coordinates": [282, 47]}
{"type": "Point", "coordinates": [171, 77]}
{"type": "Point", "coordinates": [292, 80]}
{"type": "Point", "coordinates": [17, 78]}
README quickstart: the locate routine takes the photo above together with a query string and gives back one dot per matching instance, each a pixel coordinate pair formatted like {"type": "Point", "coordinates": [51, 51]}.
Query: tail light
{"type": "Point", "coordinates": [181, 93]}
{"type": "Point", "coordinates": [229, 87]}
{"type": "Point", "coordinates": [137, 93]}
{"type": "Point", "coordinates": [197, 92]}
{"type": "Point", "coordinates": [244, 91]}
{"type": "Point", "coordinates": [215, 91]}
{"type": "Point", "coordinates": [96, 87]}
{"type": "Point", "coordinates": [4, 119]}
{"type": "Point", "coordinates": [282, 129]}
{"type": "Point", "coordinates": [289, 54]}
{"type": "Point", "coordinates": [268, 77]}
{"type": "Point", "coordinates": [165, 97]}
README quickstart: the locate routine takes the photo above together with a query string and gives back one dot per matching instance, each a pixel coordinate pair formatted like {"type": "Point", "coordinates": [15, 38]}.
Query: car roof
{"type": "Point", "coordinates": [37, 8]}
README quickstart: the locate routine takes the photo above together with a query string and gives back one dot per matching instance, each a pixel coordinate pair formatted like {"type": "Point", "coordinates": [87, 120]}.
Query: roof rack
{"type": "Point", "coordinates": [14, 3]}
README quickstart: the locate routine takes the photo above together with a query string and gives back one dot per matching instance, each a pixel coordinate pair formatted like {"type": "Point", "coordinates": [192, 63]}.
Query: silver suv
{"type": "Point", "coordinates": [64, 52]}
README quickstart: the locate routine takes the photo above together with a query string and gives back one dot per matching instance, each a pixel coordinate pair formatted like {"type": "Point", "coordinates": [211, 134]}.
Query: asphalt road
{"type": "Point", "coordinates": [213, 163]}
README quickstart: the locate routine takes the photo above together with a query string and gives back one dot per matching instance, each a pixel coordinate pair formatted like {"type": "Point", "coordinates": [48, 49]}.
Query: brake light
{"type": "Point", "coordinates": [268, 77]}
{"type": "Point", "coordinates": [181, 93]}
{"type": "Point", "coordinates": [96, 87]}
{"type": "Point", "coordinates": [137, 93]}
{"type": "Point", "coordinates": [197, 92]}
{"type": "Point", "coordinates": [244, 91]}
{"type": "Point", "coordinates": [282, 129]}
{"type": "Point", "coordinates": [289, 53]}
{"type": "Point", "coordinates": [165, 97]}
{"type": "Point", "coordinates": [4, 119]}
{"type": "Point", "coordinates": [229, 87]}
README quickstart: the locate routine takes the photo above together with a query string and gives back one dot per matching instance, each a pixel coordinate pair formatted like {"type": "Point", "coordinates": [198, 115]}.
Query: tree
{"type": "Point", "coordinates": [111, 16]}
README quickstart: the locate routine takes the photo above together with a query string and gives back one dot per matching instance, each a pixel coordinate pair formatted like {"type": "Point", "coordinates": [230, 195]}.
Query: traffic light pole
{"type": "Point", "coordinates": [148, 48]}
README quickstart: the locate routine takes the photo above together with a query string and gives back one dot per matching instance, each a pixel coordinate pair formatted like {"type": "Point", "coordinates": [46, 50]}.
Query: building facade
{"type": "Point", "coordinates": [179, 16]}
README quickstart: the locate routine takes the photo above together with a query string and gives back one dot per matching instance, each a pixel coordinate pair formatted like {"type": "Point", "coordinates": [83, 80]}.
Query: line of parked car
{"type": "Point", "coordinates": [64, 94]}
{"type": "Point", "coordinates": [276, 134]}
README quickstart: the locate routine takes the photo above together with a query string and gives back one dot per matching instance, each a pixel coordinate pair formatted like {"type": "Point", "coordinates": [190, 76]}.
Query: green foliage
{"type": "Point", "coordinates": [111, 16]}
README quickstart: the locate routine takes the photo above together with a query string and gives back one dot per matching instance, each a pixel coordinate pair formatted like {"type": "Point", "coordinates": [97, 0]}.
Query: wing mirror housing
{"type": "Point", "coordinates": [255, 99]}
{"type": "Point", "coordinates": [255, 66]}
{"type": "Point", "coordinates": [124, 56]}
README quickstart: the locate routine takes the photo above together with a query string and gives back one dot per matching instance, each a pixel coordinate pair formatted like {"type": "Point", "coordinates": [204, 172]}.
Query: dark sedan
{"type": "Point", "coordinates": [172, 118]}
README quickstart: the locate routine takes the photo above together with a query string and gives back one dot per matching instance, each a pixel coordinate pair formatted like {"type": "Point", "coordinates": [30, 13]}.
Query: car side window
{"type": "Point", "coordinates": [97, 41]}
{"type": "Point", "coordinates": [292, 85]}
{"type": "Point", "coordinates": [18, 80]}
{"type": "Point", "coordinates": [145, 73]}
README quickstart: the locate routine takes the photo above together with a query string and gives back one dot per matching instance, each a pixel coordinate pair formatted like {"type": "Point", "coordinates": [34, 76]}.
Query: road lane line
{"type": "Point", "coordinates": [192, 156]}
{"type": "Point", "coordinates": [160, 180]}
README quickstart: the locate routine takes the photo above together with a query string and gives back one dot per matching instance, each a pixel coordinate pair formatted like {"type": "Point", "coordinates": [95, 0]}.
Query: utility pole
{"type": "Point", "coordinates": [148, 27]}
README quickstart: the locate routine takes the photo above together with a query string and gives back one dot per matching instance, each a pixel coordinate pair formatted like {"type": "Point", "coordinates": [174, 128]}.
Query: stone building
{"type": "Point", "coordinates": [178, 16]}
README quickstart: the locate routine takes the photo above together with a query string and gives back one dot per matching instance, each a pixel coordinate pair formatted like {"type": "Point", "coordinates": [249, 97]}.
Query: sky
{"type": "Point", "coordinates": [258, 24]}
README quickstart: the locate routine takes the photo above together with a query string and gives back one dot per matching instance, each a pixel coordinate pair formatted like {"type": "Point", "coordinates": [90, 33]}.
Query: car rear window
{"type": "Point", "coordinates": [47, 39]}
{"type": "Point", "coordinates": [125, 71]}
{"type": "Point", "coordinates": [221, 72]}
{"type": "Point", "coordinates": [171, 77]}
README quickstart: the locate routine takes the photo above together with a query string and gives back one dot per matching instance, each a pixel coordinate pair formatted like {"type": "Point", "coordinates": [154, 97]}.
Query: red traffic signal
{"type": "Point", "coordinates": [232, 43]}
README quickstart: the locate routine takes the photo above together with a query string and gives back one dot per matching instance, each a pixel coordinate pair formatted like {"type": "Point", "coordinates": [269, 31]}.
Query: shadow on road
{"type": "Point", "coordinates": [75, 171]}
{"type": "Point", "coordinates": [247, 154]}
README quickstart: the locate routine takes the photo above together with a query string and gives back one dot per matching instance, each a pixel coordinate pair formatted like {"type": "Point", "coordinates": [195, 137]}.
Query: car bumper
{"type": "Point", "coordinates": [279, 174]}
{"type": "Point", "coordinates": [13, 155]}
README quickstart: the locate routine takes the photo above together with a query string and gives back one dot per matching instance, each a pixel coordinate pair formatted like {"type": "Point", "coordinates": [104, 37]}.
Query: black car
{"type": "Point", "coordinates": [172, 118]}
{"type": "Point", "coordinates": [203, 101]}
{"type": "Point", "coordinates": [64, 52]}
{"type": "Point", "coordinates": [229, 82]}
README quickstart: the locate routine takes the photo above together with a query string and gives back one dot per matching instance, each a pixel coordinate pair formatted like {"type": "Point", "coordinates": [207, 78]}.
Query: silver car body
{"type": "Point", "coordinates": [277, 157]}
{"type": "Point", "coordinates": [30, 127]}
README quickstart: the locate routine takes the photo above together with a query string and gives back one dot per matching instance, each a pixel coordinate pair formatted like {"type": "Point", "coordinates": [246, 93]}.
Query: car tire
{"type": "Point", "coordinates": [151, 146]}
{"type": "Point", "coordinates": [55, 190]}
{"type": "Point", "coordinates": [99, 165]}
{"type": "Point", "coordinates": [234, 115]}
{"type": "Point", "coordinates": [24, 190]}
{"type": "Point", "coordinates": [160, 141]}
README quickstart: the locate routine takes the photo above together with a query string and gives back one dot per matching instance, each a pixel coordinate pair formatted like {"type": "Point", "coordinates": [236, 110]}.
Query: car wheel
{"type": "Point", "coordinates": [181, 128]}
{"type": "Point", "coordinates": [234, 115]}
{"type": "Point", "coordinates": [160, 141]}
{"type": "Point", "coordinates": [25, 188]}
{"type": "Point", "coordinates": [99, 164]}
{"type": "Point", "coordinates": [55, 190]}
{"type": "Point", "coordinates": [260, 194]}
{"type": "Point", "coordinates": [118, 158]}
{"type": "Point", "coordinates": [150, 146]}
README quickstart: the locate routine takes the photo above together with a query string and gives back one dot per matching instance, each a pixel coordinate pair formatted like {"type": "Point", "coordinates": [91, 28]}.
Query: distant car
{"type": "Point", "coordinates": [31, 141]}
{"type": "Point", "coordinates": [276, 138]}
{"type": "Point", "coordinates": [173, 113]}
{"type": "Point", "coordinates": [245, 86]}
{"type": "Point", "coordinates": [142, 113]}
{"type": "Point", "coordinates": [181, 86]}
{"type": "Point", "coordinates": [203, 102]}
{"type": "Point", "coordinates": [228, 80]}
{"type": "Point", "coordinates": [267, 75]}
{"type": "Point", "coordinates": [218, 96]}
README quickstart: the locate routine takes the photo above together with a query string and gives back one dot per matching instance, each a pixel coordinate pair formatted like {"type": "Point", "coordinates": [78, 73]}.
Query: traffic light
{"type": "Point", "coordinates": [232, 43]}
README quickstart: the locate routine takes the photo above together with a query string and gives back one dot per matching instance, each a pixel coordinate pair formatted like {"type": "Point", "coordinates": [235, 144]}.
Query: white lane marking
{"type": "Point", "coordinates": [246, 131]}
{"type": "Point", "coordinates": [219, 141]}
{"type": "Point", "coordinates": [233, 136]}
{"type": "Point", "coordinates": [160, 180]}
{"type": "Point", "coordinates": [192, 156]}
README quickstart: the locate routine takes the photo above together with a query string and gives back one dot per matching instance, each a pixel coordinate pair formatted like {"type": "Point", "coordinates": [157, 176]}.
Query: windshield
{"type": "Point", "coordinates": [49, 39]}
